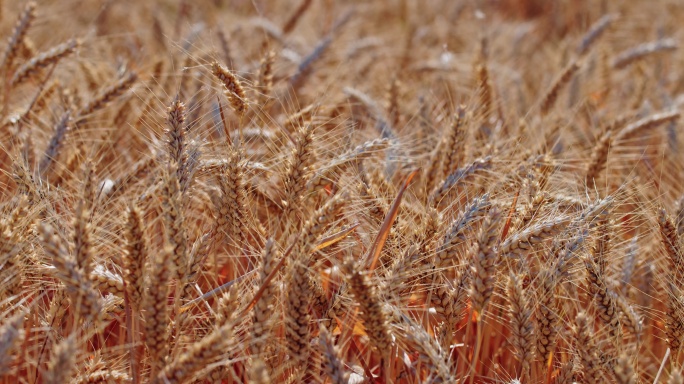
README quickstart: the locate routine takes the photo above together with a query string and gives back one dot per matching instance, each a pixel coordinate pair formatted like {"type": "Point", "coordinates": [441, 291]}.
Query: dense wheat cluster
{"type": "Point", "coordinates": [322, 191]}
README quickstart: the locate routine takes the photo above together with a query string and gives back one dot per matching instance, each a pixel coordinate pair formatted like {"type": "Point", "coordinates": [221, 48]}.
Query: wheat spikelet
{"type": "Point", "coordinates": [324, 178]}
{"type": "Point", "coordinates": [604, 299]}
{"type": "Point", "coordinates": [233, 88]}
{"type": "Point", "coordinates": [11, 332]}
{"type": "Point", "coordinates": [433, 173]}
{"type": "Point", "coordinates": [258, 373]}
{"type": "Point", "coordinates": [292, 21]}
{"type": "Point", "coordinates": [264, 306]}
{"type": "Point", "coordinates": [82, 294]}
{"type": "Point", "coordinates": [44, 60]}
{"type": "Point", "coordinates": [455, 144]}
{"type": "Point", "coordinates": [523, 241]}
{"type": "Point", "coordinates": [336, 306]}
{"type": "Point", "coordinates": [135, 257]}
{"type": "Point", "coordinates": [485, 262]}
{"type": "Point", "coordinates": [430, 353]}
{"type": "Point", "coordinates": [459, 177]}
{"type": "Point", "coordinates": [265, 79]}
{"type": "Point", "coordinates": [305, 67]}
{"type": "Point", "coordinates": [55, 145]}
{"type": "Point", "coordinates": [26, 184]}
{"type": "Point", "coordinates": [584, 343]}
{"type": "Point", "coordinates": [645, 124]}
{"type": "Point", "coordinates": [679, 216]}
{"type": "Point", "coordinates": [107, 281]}
{"type": "Point", "coordinates": [18, 34]}
{"type": "Point", "coordinates": [83, 254]}
{"type": "Point", "coordinates": [624, 371]}
{"type": "Point", "coordinates": [536, 203]}
{"type": "Point", "coordinates": [630, 319]}
{"type": "Point", "coordinates": [196, 357]}
{"type": "Point", "coordinates": [176, 144]}
{"type": "Point", "coordinates": [62, 362]}
{"type": "Point", "coordinates": [11, 243]}
{"type": "Point", "coordinates": [315, 226]}
{"type": "Point", "coordinates": [552, 94]}
{"type": "Point", "coordinates": [374, 319]}
{"type": "Point", "coordinates": [154, 301]}
{"type": "Point", "coordinates": [231, 205]}
{"type": "Point", "coordinates": [546, 314]}
{"type": "Point", "coordinates": [334, 367]}
{"type": "Point", "coordinates": [108, 95]}
{"type": "Point", "coordinates": [297, 318]}
{"type": "Point", "coordinates": [299, 295]}
{"type": "Point", "coordinates": [485, 86]}
{"type": "Point", "coordinates": [522, 328]}
{"type": "Point", "coordinates": [674, 318]}
{"type": "Point", "coordinates": [447, 302]}
{"type": "Point", "coordinates": [671, 241]}
{"type": "Point", "coordinates": [319, 297]}
{"type": "Point", "coordinates": [566, 374]}
{"type": "Point", "coordinates": [595, 32]}
{"type": "Point", "coordinates": [300, 118]}
{"type": "Point", "coordinates": [103, 376]}
{"type": "Point", "coordinates": [599, 157]}
{"type": "Point", "coordinates": [456, 235]}
{"type": "Point", "coordinates": [299, 167]}
{"type": "Point", "coordinates": [173, 215]}
{"type": "Point", "coordinates": [639, 52]}
{"type": "Point", "coordinates": [454, 308]}
{"type": "Point", "coordinates": [592, 212]}
{"type": "Point", "coordinates": [392, 102]}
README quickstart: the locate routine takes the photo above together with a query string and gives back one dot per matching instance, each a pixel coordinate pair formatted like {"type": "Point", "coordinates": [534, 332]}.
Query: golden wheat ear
{"type": "Point", "coordinates": [232, 88]}
{"type": "Point", "coordinates": [43, 60]}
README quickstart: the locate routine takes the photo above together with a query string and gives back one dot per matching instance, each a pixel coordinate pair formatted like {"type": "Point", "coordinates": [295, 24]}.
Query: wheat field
{"type": "Point", "coordinates": [329, 191]}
